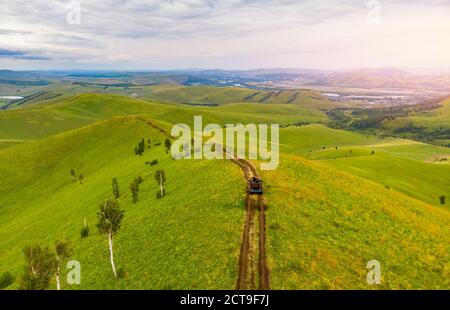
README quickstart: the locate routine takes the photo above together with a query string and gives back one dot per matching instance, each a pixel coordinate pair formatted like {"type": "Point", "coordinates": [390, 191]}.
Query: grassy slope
{"type": "Point", "coordinates": [226, 95]}
{"type": "Point", "coordinates": [162, 243]}
{"type": "Point", "coordinates": [325, 225]}
{"type": "Point", "coordinates": [301, 140]}
{"type": "Point", "coordinates": [44, 120]}
{"type": "Point", "coordinates": [430, 120]}
{"type": "Point", "coordinates": [423, 180]}
{"type": "Point", "coordinates": [322, 224]}
{"type": "Point", "coordinates": [407, 166]}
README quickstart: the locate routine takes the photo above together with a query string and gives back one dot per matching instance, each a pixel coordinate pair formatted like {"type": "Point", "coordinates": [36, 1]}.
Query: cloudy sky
{"type": "Point", "coordinates": [228, 34]}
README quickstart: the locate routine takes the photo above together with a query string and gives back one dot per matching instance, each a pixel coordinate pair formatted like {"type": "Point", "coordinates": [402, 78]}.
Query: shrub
{"type": "Point", "coordinates": [134, 187]}
{"type": "Point", "coordinates": [84, 233]}
{"type": "Point", "coordinates": [139, 180]}
{"type": "Point", "coordinates": [121, 273]}
{"type": "Point", "coordinates": [40, 263]}
{"type": "Point", "coordinates": [158, 194]}
{"type": "Point", "coordinates": [167, 144]}
{"type": "Point", "coordinates": [115, 188]}
{"type": "Point", "coordinates": [140, 148]}
{"type": "Point", "coordinates": [6, 279]}
{"type": "Point", "coordinates": [73, 174]}
{"type": "Point", "coordinates": [442, 200]}
{"type": "Point", "coordinates": [154, 162]}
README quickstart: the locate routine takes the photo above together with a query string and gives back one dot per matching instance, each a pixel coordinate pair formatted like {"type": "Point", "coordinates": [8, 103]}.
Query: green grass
{"type": "Point", "coordinates": [45, 120]}
{"type": "Point", "coordinates": [430, 122]}
{"type": "Point", "coordinates": [301, 140]}
{"type": "Point", "coordinates": [227, 95]}
{"type": "Point", "coordinates": [326, 219]}
{"type": "Point", "coordinates": [410, 167]}
{"type": "Point", "coordinates": [325, 225]}
{"type": "Point", "coordinates": [189, 239]}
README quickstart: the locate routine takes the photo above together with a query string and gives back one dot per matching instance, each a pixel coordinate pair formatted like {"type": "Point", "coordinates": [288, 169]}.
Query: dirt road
{"type": "Point", "coordinates": [250, 268]}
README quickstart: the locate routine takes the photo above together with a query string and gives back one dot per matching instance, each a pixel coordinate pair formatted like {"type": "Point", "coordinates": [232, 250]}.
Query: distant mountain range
{"type": "Point", "coordinates": [392, 79]}
{"type": "Point", "coordinates": [386, 79]}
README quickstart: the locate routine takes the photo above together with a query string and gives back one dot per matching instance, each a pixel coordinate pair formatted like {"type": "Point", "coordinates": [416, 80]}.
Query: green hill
{"type": "Point", "coordinates": [432, 125]}
{"type": "Point", "coordinates": [323, 224]}
{"type": "Point", "coordinates": [417, 169]}
{"type": "Point", "coordinates": [43, 120]}
{"type": "Point", "coordinates": [202, 95]}
{"type": "Point", "coordinates": [188, 239]}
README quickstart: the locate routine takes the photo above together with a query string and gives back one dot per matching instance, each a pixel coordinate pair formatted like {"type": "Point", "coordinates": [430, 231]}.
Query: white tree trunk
{"type": "Point", "coordinates": [111, 253]}
{"type": "Point", "coordinates": [32, 263]}
{"type": "Point", "coordinates": [58, 283]}
{"type": "Point", "coordinates": [160, 184]}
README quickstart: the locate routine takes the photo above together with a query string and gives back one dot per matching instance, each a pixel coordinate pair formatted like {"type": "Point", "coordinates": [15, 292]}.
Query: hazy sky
{"type": "Point", "coordinates": [228, 34]}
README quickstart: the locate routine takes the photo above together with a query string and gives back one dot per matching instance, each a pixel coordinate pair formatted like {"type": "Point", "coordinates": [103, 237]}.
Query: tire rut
{"type": "Point", "coordinates": [247, 266]}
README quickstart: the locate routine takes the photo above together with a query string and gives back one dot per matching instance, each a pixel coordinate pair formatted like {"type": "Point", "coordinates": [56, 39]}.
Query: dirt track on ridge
{"type": "Point", "coordinates": [247, 270]}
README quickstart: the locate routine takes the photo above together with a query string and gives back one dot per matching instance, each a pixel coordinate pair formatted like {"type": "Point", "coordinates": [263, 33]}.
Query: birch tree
{"type": "Point", "coordinates": [134, 188]}
{"type": "Point", "coordinates": [73, 174]}
{"type": "Point", "coordinates": [167, 144]}
{"type": "Point", "coordinates": [63, 250]}
{"type": "Point", "coordinates": [115, 188]}
{"type": "Point", "coordinates": [160, 177]}
{"type": "Point", "coordinates": [39, 268]}
{"type": "Point", "coordinates": [109, 220]}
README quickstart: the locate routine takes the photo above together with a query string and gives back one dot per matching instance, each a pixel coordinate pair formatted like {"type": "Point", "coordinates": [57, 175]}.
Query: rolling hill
{"type": "Point", "coordinates": [416, 169]}
{"type": "Point", "coordinates": [161, 244]}
{"type": "Point", "coordinates": [326, 217]}
{"type": "Point", "coordinates": [209, 95]}
{"type": "Point", "coordinates": [432, 125]}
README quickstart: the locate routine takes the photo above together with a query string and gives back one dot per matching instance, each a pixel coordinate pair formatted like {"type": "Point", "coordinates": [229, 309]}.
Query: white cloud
{"type": "Point", "coordinates": [136, 34]}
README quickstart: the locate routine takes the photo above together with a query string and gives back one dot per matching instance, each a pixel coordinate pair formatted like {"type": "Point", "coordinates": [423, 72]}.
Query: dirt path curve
{"type": "Point", "coordinates": [154, 126]}
{"type": "Point", "coordinates": [247, 264]}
